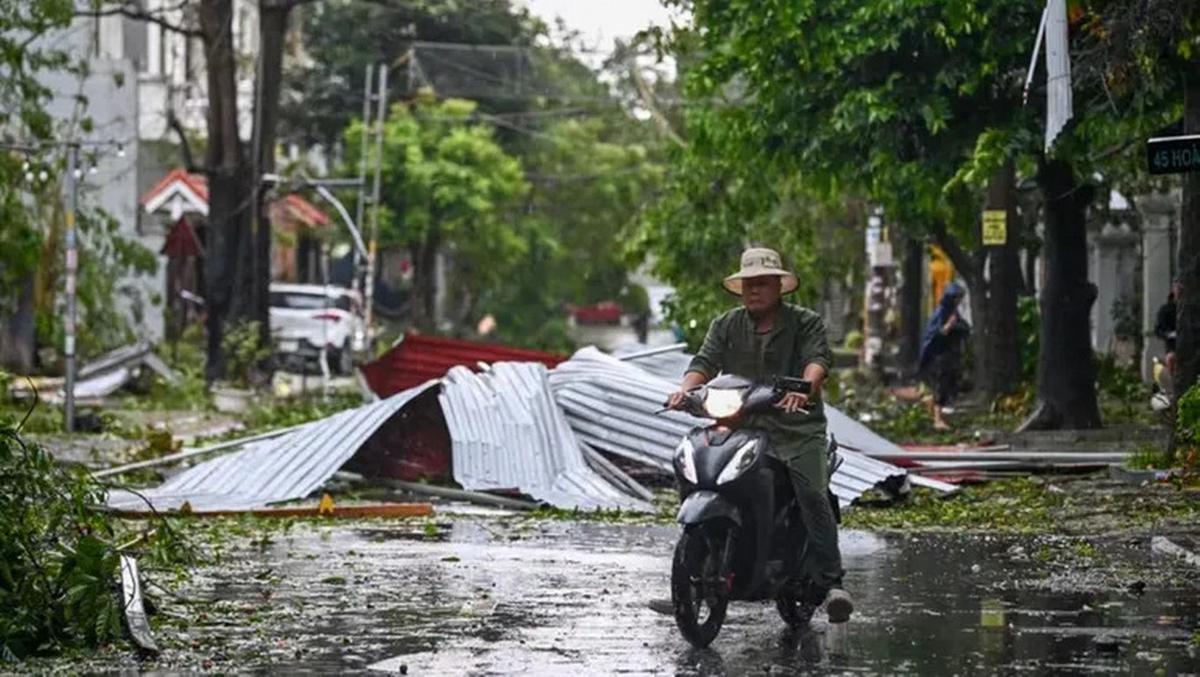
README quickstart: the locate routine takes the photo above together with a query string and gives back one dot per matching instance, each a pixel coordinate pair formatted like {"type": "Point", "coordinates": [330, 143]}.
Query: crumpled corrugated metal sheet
{"type": "Point", "coordinates": [508, 433]}
{"type": "Point", "coordinates": [281, 469]}
{"type": "Point", "coordinates": [610, 404]}
{"type": "Point", "coordinates": [418, 358]}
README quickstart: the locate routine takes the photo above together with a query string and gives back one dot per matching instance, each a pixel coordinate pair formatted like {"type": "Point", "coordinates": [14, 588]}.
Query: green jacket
{"type": "Point", "coordinates": [796, 341]}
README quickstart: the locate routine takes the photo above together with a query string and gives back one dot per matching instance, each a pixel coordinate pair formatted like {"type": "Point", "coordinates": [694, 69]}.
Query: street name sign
{"type": "Point", "coordinates": [1173, 154]}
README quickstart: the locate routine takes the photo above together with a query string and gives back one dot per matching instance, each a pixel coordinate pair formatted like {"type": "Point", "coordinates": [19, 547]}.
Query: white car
{"type": "Point", "coordinates": [308, 317]}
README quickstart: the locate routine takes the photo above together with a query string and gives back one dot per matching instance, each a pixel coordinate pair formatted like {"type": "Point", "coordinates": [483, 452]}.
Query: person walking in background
{"type": "Point", "coordinates": [940, 362]}
{"type": "Point", "coordinates": [1165, 326]}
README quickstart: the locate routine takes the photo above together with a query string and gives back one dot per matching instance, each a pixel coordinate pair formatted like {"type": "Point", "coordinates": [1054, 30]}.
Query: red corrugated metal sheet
{"type": "Point", "coordinates": [419, 358]}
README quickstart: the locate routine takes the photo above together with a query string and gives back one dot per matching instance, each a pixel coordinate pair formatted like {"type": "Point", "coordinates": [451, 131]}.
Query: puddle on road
{"type": "Point", "coordinates": [571, 598]}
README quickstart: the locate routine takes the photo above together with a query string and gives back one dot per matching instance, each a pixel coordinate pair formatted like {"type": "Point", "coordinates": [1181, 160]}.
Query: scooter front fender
{"type": "Point", "coordinates": [701, 506]}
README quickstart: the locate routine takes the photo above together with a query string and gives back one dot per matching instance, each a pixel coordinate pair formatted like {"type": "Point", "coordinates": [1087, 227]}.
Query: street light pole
{"type": "Point", "coordinates": [368, 87]}
{"type": "Point", "coordinates": [72, 266]}
{"type": "Point", "coordinates": [373, 246]}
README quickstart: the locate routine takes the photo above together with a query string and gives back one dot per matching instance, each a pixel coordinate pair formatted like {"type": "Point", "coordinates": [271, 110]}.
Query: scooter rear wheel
{"type": "Point", "coordinates": [699, 601]}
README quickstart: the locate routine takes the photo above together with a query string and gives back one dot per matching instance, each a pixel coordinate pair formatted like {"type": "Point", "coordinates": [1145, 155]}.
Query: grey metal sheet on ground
{"type": "Point", "coordinates": [508, 433]}
{"type": "Point", "coordinates": [280, 469]}
{"type": "Point", "coordinates": [610, 403]}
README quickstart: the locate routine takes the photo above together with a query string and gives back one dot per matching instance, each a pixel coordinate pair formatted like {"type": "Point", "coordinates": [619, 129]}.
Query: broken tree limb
{"type": "Point", "coordinates": [170, 459]}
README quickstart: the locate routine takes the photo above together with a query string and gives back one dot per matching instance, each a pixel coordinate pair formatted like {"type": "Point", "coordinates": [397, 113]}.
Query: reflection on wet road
{"type": "Point", "coordinates": [570, 598]}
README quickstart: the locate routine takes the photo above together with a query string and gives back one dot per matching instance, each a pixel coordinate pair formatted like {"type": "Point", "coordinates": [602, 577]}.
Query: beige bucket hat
{"type": "Point", "coordinates": [758, 262]}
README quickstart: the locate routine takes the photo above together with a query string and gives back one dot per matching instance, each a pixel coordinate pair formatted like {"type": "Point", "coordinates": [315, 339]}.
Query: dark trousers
{"type": "Point", "coordinates": [808, 467]}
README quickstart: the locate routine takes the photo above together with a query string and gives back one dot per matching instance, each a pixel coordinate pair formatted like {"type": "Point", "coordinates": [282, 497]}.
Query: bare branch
{"type": "Point", "coordinates": [185, 147]}
{"type": "Point", "coordinates": [132, 11]}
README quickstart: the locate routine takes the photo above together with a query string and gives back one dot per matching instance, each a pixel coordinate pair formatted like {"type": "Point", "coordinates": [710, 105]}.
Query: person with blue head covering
{"type": "Point", "coordinates": [940, 362]}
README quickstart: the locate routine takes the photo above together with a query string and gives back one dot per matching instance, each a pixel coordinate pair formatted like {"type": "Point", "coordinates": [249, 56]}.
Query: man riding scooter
{"type": "Point", "coordinates": [767, 338]}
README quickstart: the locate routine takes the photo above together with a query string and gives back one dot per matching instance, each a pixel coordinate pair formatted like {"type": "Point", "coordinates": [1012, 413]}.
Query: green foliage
{"type": "Point", "coordinates": [447, 183]}
{"type": "Point", "coordinates": [344, 37]}
{"type": "Point", "coordinates": [1019, 505]}
{"type": "Point", "coordinates": [58, 555]}
{"type": "Point", "coordinates": [587, 193]}
{"type": "Point", "coordinates": [1187, 432]}
{"type": "Point", "coordinates": [1126, 316]}
{"type": "Point", "coordinates": [1150, 457]}
{"type": "Point", "coordinates": [23, 116]}
{"type": "Point", "coordinates": [1122, 384]}
{"type": "Point", "coordinates": [1029, 322]}
{"type": "Point", "coordinates": [106, 260]}
{"type": "Point", "coordinates": [285, 413]}
{"type": "Point", "coordinates": [243, 353]}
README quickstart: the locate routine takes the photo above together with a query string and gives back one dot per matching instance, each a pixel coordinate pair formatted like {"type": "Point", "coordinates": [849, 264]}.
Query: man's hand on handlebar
{"type": "Point", "coordinates": [676, 399]}
{"type": "Point", "coordinates": [793, 402]}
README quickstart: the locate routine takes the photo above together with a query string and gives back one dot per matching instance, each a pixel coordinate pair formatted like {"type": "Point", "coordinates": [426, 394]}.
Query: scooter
{"type": "Point", "coordinates": [743, 539]}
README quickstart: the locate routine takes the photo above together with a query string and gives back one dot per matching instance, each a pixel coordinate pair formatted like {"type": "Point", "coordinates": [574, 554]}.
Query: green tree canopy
{"type": "Point", "coordinates": [448, 184]}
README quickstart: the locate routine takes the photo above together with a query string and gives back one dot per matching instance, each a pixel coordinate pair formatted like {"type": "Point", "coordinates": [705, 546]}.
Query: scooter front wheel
{"type": "Point", "coordinates": [697, 590]}
{"type": "Point", "coordinates": [795, 612]}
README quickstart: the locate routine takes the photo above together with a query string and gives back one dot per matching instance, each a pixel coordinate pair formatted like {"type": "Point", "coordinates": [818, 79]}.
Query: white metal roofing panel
{"type": "Point", "coordinates": [508, 433]}
{"type": "Point", "coordinates": [284, 468]}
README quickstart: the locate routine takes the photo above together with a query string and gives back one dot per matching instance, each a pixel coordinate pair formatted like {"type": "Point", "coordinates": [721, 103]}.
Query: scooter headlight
{"type": "Point", "coordinates": [685, 460]}
{"type": "Point", "coordinates": [722, 403]}
{"type": "Point", "coordinates": [743, 459]}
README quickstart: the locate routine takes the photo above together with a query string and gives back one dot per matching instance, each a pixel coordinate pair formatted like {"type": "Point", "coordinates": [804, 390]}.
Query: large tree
{"type": "Point", "coordinates": [448, 188]}
{"type": "Point", "coordinates": [917, 106]}
{"type": "Point", "coordinates": [342, 37]}
{"type": "Point", "coordinates": [23, 119]}
{"type": "Point", "coordinates": [881, 100]}
{"type": "Point", "coordinates": [237, 251]}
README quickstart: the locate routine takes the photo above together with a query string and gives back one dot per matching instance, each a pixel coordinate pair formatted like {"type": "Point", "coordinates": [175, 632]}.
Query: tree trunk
{"type": "Point", "coordinates": [911, 293]}
{"type": "Point", "coordinates": [230, 194]}
{"type": "Point", "coordinates": [272, 31]}
{"type": "Point", "coordinates": [997, 282]}
{"type": "Point", "coordinates": [1066, 365]}
{"type": "Point", "coordinates": [18, 333]}
{"type": "Point", "coordinates": [1187, 348]}
{"type": "Point", "coordinates": [424, 291]}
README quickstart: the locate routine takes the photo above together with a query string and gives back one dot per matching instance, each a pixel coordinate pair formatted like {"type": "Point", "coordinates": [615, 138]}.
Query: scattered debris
{"type": "Point", "coordinates": [417, 358]}
{"type": "Point", "coordinates": [135, 610]}
{"type": "Point", "coordinates": [287, 467]}
{"type": "Point", "coordinates": [99, 378]}
{"type": "Point", "coordinates": [186, 454]}
{"type": "Point", "coordinates": [514, 427]}
{"type": "Point", "coordinates": [394, 510]}
{"type": "Point", "coordinates": [1165, 546]}
{"type": "Point", "coordinates": [477, 497]}
{"type": "Point", "coordinates": [1026, 457]}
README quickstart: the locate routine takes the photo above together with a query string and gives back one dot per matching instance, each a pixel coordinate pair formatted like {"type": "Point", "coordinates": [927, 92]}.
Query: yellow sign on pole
{"type": "Point", "coordinates": [995, 227]}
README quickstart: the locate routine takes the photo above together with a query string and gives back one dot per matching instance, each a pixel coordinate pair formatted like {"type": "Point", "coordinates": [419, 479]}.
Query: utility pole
{"type": "Point", "coordinates": [360, 207]}
{"type": "Point", "coordinates": [372, 251]}
{"type": "Point", "coordinates": [72, 265]}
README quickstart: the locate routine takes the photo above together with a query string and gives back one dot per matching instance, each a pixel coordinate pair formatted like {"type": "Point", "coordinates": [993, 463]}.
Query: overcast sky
{"type": "Point", "coordinates": [602, 21]}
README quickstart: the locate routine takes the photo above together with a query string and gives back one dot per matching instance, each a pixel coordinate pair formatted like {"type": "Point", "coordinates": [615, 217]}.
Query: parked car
{"type": "Point", "coordinates": [308, 317]}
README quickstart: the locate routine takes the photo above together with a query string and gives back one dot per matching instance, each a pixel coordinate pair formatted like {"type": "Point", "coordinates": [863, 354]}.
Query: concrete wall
{"type": "Point", "coordinates": [107, 94]}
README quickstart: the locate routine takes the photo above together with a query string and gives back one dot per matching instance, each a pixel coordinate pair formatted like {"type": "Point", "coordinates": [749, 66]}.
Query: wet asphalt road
{"type": "Point", "coordinates": [484, 596]}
